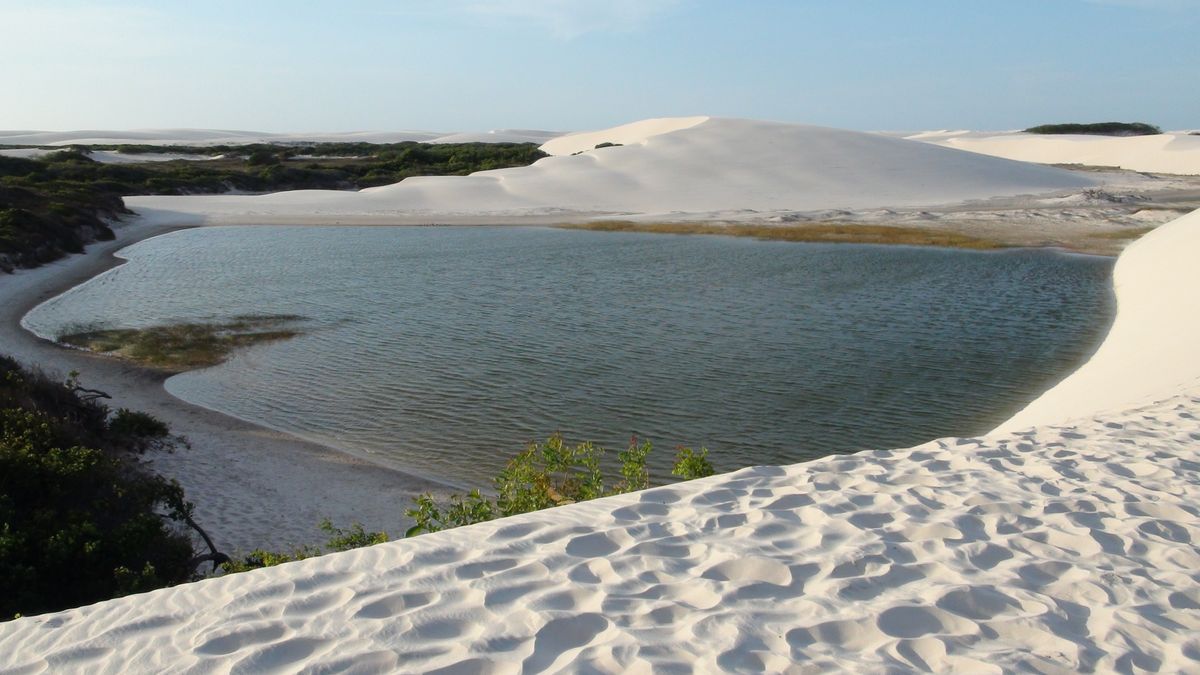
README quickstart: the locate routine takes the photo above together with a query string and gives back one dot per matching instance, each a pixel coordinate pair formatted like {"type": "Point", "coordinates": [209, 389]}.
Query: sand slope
{"type": "Point", "coordinates": [1150, 352]}
{"type": "Point", "coordinates": [1177, 153]}
{"type": "Point", "coordinates": [666, 167]}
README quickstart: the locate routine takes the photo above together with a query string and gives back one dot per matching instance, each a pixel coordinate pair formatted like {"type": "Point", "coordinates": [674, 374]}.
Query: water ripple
{"type": "Point", "coordinates": [444, 350]}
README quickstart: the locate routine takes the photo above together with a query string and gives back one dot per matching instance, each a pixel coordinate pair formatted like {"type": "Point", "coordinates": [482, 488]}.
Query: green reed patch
{"type": "Point", "coordinates": [807, 232]}
{"type": "Point", "coordinates": [185, 346]}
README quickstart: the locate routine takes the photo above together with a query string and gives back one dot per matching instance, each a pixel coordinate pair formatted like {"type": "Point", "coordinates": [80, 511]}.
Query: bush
{"type": "Point", "coordinates": [339, 540]}
{"type": "Point", "coordinates": [80, 521]}
{"type": "Point", "coordinates": [542, 476]}
{"type": "Point", "coordinates": [549, 474]}
{"type": "Point", "coordinates": [137, 424]}
{"type": "Point", "coordinates": [262, 158]}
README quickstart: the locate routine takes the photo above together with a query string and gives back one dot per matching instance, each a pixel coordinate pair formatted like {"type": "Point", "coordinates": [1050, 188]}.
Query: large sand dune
{"type": "Point", "coordinates": [666, 168]}
{"type": "Point", "coordinates": [1176, 153]}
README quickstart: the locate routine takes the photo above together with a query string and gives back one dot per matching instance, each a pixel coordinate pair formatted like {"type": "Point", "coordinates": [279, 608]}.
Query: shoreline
{"type": "Point", "coordinates": [273, 505]}
{"type": "Point", "coordinates": [288, 468]}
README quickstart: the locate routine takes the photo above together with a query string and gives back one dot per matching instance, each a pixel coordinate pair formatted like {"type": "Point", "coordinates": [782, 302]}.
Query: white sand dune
{"type": "Point", "coordinates": [663, 167]}
{"type": "Point", "coordinates": [1176, 153]}
{"type": "Point", "coordinates": [634, 133]}
{"type": "Point", "coordinates": [1151, 349]}
{"type": "Point", "coordinates": [1068, 546]}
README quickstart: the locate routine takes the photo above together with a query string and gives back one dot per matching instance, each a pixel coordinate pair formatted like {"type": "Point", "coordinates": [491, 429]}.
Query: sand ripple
{"type": "Point", "coordinates": [1049, 550]}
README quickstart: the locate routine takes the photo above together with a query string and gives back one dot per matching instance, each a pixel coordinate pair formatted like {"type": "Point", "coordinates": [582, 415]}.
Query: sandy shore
{"type": "Point", "coordinates": [252, 486]}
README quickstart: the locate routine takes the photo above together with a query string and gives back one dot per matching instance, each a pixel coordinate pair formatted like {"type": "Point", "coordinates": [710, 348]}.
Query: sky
{"type": "Point", "coordinates": [473, 65]}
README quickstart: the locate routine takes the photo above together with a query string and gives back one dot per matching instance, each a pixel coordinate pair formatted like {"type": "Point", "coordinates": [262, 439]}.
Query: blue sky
{"type": "Point", "coordinates": [450, 65]}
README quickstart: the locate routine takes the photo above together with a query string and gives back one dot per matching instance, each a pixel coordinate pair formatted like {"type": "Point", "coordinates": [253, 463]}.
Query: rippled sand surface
{"type": "Point", "coordinates": [1057, 549]}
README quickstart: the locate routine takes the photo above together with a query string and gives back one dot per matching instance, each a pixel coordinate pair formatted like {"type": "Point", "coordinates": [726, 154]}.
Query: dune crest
{"type": "Point", "coordinates": [1172, 153]}
{"type": "Point", "coordinates": [626, 134]}
{"type": "Point", "coordinates": [1151, 348]}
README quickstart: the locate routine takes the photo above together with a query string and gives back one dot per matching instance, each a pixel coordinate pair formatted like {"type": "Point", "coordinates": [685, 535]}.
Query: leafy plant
{"type": "Point", "coordinates": [339, 540]}
{"type": "Point", "coordinates": [549, 474]}
{"type": "Point", "coordinates": [137, 424]}
{"type": "Point", "coordinates": [690, 465]}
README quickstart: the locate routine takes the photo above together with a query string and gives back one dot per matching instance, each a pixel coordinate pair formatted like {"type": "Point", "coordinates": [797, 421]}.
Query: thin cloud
{"type": "Point", "coordinates": [1174, 5]}
{"type": "Point", "coordinates": [567, 19]}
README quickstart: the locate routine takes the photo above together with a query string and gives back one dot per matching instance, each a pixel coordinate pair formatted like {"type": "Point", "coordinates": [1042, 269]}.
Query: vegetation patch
{"type": "Point", "coordinates": [81, 520]}
{"type": "Point", "coordinates": [1124, 233]}
{"type": "Point", "coordinates": [1098, 129]}
{"type": "Point", "coordinates": [56, 204]}
{"type": "Point", "coordinates": [542, 476]}
{"type": "Point", "coordinates": [551, 474]}
{"type": "Point", "coordinates": [184, 346]}
{"type": "Point", "coordinates": [808, 232]}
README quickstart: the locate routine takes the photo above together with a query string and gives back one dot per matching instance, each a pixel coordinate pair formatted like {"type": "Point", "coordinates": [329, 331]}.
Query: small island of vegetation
{"type": "Point", "coordinates": [185, 346]}
{"type": "Point", "coordinates": [1098, 129]}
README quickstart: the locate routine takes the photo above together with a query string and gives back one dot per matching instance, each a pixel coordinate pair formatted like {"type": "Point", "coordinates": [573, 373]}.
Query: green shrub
{"type": "Point", "coordinates": [72, 196]}
{"type": "Point", "coordinates": [137, 424]}
{"type": "Point", "coordinates": [549, 474]}
{"type": "Point", "coordinates": [339, 540]}
{"type": "Point", "coordinates": [80, 521]}
{"type": "Point", "coordinates": [690, 465]}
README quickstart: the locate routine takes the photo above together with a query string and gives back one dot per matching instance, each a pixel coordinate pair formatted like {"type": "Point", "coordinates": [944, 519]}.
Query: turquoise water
{"type": "Point", "coordinates": [444, 350]}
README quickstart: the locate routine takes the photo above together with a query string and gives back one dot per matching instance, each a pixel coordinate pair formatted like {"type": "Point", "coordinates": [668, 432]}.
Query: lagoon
{"type": "Point", "coordinates": [442, 351]}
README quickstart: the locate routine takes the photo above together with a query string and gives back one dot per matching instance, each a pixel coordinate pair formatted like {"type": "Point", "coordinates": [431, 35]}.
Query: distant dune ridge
{"type": "Point", "coordinates": [665, 167]}
{"type": "Point", "coordinates": [1066, 540]}
{"type": "Point", "coordinates": [1175, 153]}
{"type": "Point", "coordinates": [228, 137]}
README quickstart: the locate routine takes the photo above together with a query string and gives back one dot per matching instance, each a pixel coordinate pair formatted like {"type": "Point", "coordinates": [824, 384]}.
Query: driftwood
{"type": "Point", "coordinates": [89, 395]}
{"type": "Point", "coordinates": [182, 510]}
